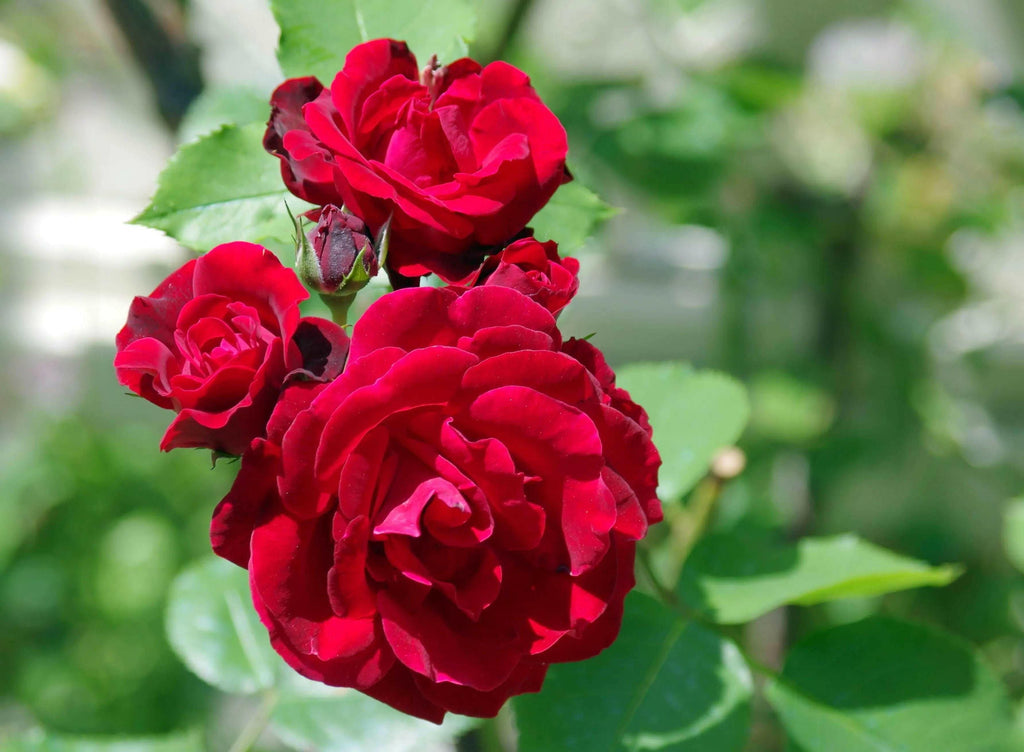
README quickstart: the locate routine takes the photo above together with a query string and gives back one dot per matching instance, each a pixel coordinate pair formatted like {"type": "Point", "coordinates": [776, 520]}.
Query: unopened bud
{"type": "Point", "coordinates": [728, 463]}
{"type": "Point", "coordinates": [338, 256]}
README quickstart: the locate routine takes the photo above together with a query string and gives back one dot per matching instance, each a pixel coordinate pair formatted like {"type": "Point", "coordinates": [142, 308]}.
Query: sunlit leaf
{"type": "Point", "coordinates": [665, 684]}
{"type": "Point", "coordinates": [216, 107]}
{"type": "Point", "coordinates": [347, 721]}
{"type": "Point", "coordinates": [316, 36]}
{"type": "Point", "coordinates": [214, 629]}
{"type": "Point", "coordinates": [881, 685]}
{"type": "Point", "coordinates": [693, 413]}
{"type": "Point", "coordinates": [220, 188]}
{"type": "Point", "coordinates": [571, 216]}
{"type": "Point", "coordinates": [734, 578]}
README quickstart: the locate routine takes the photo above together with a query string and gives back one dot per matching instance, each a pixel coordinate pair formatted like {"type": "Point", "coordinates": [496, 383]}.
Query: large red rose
{"type": "Point", "coordinates": [534, 269]}
{"type": "Point", "coordinates": [460, 156]}
{"type": "Point", "coordinates": [215, 342]}
{"type": "Point", "coordinates": [455, 512]}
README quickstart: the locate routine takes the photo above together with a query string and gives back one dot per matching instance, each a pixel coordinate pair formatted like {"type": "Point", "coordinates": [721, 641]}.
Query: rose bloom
{"type": "Point", "coordinates": [534, 269]}
{"type": "Point", "coordinates": [461, 157]}
{"type": "Point", "coordinates": [216, 341]}
{"type": "Point", "coordinates": [455, 512]}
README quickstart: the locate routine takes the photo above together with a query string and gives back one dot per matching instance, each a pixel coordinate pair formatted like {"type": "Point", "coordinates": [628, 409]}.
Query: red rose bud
{"type": "Point", "coordinates": [337, 257]}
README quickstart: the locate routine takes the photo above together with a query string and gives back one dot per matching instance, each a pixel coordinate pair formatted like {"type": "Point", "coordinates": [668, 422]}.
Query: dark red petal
{"type": "Point", "coordinates": [286, 105]}
{"type": "Point", "coordinates": [237, 513]}
{"type": "Point", "coordinates": [156, 315]}
{"type": "Point", "coordinates": [527, 677]}
{"type": "Point", "coordinates": [449, 648]}
{"type": "Point", "coordinates": [249, 272]}
{"type": "Point", "coordinates": [323, 348]}
{"type": "Point", "coordinates": [367, 67]}
{"type": "Point", "coordinates": [555, 441]}
{"type": "Point", "coordinates": [408, 319]}
{"type": "Point", "coordinates": [519, 523]}
{"type": "Point", "coordinates": [429, 376]}
{"type": "Point", "coordinates": [400, 690]}
{"type": "Point", "coordinates": [601, 633]}
{"type": "Point", "coordinates": [146, 366]}
{"type": "Point", "coordinates": [287, 570]}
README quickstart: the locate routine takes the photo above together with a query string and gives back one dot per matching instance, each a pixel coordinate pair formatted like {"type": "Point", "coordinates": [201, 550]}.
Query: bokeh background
{"type": "Point", "coordinates": [824, 199]}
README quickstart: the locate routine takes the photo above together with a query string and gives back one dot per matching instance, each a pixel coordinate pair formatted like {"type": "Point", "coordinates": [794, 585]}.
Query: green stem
{"type": "Point", "coordinates": [252, 730]}
{"type": "Point", "coordinates": [338, 305]}
{"type": "Point", "coordinates": [667, 596]}
{"type": "Point", "coordinates": [702, 510]}
{"type": "Point", "coordinates": [643, 555]}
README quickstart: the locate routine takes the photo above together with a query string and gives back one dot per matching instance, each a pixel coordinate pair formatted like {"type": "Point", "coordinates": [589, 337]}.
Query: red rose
{"type": "Point", "coordinates": [455, 512]}
{"type": "Point", "coordinates": [461, 157]}
{"type": "Point", "coordinates": [215, 342]}
{"type": "Point", "coordinates": [534, 269]}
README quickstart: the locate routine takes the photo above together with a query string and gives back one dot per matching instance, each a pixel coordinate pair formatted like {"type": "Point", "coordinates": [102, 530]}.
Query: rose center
{"type": "Point", "coordinates": [209, 344]}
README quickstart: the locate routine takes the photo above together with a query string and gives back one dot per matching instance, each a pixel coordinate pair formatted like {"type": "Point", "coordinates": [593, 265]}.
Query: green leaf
{"type": "Point", "coordinates": [665, 684]}
{"type": "Point", "coordinates": [214, 629]}
{"type": "Point", "coordinates": [571, 216]}
{"type": "Point", "coordinates": [347, 721]}
{"type": "Point", "coordinates": [38, 740]}
{"type": "Point", "coordinates": [220, 188]}
{"type": "Point", "coordinates": [1013, 532]}
{"type": "Point", "coordinates": [693, 413]}
{"type": "Point", "coordinates": [881, 685]}
{"type": "Point", "coordinates": [735, 577]}
{"type": "Point", "coordinates": [223, 106]}
{"type": "Point", "coordinates": [315, 37]}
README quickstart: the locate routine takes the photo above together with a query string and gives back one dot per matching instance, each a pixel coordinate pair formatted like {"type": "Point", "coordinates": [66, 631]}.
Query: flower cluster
{"type": "Point", "coordinates": [438, 507]}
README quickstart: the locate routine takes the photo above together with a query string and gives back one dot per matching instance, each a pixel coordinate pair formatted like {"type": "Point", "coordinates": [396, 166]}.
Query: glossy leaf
{"type": "Point", "coordinates": [665, 684]}
{"type": "Point", "coordinates": [220, 188]}
{"type": "Point", "coordinates": [217, 107]}
{"type": "Point", "coordinates": [881, 685]}
{"type": "Point", "coordinates": [347, 721]}
{"type": "Point", "coordinates": [315, 37]}
{"type": "Point", "coordinates": [693, 413]}
{"type": "Point", "coordinates": [571, 216]}
{"type": "Point", "coordinates": [214, 629]}
{"type": "Point", "coordinates": [734, 578]}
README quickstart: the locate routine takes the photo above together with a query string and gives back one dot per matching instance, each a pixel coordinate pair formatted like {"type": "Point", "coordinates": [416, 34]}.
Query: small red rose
{"type": "Point", "coordinates": [534, 269]}
{"type": "Point", "coordinates": [215, 342]}
{"type": "Point", "coordinates": [455, 512]}
{"type": "Point", "coordinates": [461, 157]}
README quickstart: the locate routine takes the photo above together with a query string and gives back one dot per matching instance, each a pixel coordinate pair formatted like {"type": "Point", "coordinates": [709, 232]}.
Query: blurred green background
{"type": "Point", "coordinates": [822, 199]}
